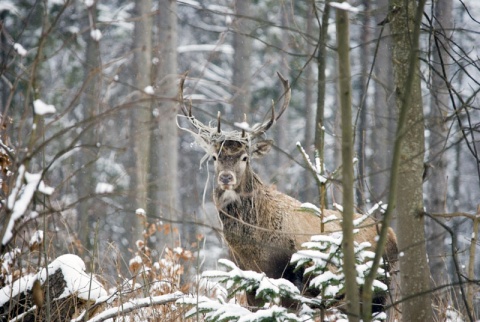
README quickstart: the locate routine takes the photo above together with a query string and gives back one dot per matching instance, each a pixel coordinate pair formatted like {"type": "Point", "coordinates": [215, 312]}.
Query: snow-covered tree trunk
{"type": "Point", "coordinates": [405, 17]}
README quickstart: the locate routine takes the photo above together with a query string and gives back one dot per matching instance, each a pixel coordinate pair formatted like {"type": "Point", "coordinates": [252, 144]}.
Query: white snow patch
{"type": "Point", "coordinates": [42, 108]}
{"type": "Point", "coordinates": [338, 207]}
{"type": "Point", "coordinates": [89, 3]}
{"type": "Point", "coordinates": [344, 6]}
{"type": "Point", "coordinates": [37, 238]}
{"type": "Point", "coordinates": [129, 306]}
{"type": "Point", "coordinates": [96, 34]}
{"type": "Point", "coordinates": [21, 285]}
{"type": "Point", "coordinates": [9, 258]}
{"type": "Point", "coordinates": [21, 196]}
{"type": "Point", "coordinates": [149, 90]}
{"type": "Point", "coordinates": [226, 49]}
{"type": "Point", "coordinates": [20, 49]}
{"type": "Point", "coordinates": [243, 126]}
{"type": "Point", "coordinates": [311, 207]}
{"type": "Point", "coordinates": [78, 282]}
{"type": "Point", "coordinates": [104, 187]}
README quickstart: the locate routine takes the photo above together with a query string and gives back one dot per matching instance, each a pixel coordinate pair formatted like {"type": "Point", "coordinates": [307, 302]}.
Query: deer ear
{"type": "Point", "coordinates": [261, 148]}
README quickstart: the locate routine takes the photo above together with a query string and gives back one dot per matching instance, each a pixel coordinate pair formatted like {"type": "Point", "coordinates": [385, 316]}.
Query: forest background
{"type": "Point", "coordinates": [89, 100]}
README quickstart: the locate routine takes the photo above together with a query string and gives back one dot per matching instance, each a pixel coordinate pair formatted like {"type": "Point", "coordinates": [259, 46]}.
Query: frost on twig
{"type": "Point", "coordinates": [316, 168]}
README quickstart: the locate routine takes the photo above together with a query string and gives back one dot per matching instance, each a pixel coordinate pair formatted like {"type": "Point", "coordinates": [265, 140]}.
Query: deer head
{"type": "Point", "coordinates": [231, 151]}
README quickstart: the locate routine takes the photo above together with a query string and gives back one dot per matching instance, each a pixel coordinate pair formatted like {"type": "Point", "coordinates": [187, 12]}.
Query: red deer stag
{"type": "Point", "coordinates": [262, 226]}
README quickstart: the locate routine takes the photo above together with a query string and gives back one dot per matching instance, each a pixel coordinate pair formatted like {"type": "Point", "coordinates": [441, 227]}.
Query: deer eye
{"type": "Point", "coordinates": [214, 157]}
{"type": "Point", "coordinates": [245, 158]}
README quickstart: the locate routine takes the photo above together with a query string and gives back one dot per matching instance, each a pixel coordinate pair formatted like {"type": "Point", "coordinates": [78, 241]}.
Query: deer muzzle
{"type": "Point", "coordinates": [226, 180]}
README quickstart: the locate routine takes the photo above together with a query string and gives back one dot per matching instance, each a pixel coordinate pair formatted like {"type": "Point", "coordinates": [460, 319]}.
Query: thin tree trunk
{"type": "Point", "coordinates": [361, 134]}
{"type": "Point", "coordinates": [91, 103]}
{"type": "Point", "coordinates": [141, 114]}
{"type": "Point", "coordinates": [308, 192]}
{"type": "Point", "coordinates": [320, 117]}
{"type": "Point", "coordinates": [282, 127]}
{"type": "Point", "coordinates": [242, 45]}
{"type": "Point", "coordinates": [345, 95]}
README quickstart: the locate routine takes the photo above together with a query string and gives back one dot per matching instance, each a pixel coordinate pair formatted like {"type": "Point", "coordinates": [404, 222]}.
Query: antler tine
{"type": "Point", "coordinates": [244, 121]}
{"type": "Point", "coordinates": [180, 96]}
{"type": "Point", "coordinates": [218, 122]}
{"type": "Point", "coordinates": [188, 112]}
{"type": "Point", "coordinates": [286, 96]}
{"type": "Point", "coordinates": [286, 101]}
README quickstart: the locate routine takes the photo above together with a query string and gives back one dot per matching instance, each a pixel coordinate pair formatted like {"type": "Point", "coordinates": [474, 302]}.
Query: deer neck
{"type": "Point", "coordinates": [239, 204]}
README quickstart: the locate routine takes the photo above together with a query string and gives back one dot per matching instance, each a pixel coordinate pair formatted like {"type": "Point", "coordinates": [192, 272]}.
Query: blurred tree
{"type": "Point", "coordinates": [436, 166]}
{"type": "Point", "coordinates": [405, 18]}
{"type": "Point", "coordinates": [164, 138]}
{"type": "Point", "coordinates": [141, 114]}
{"type": "Point", "coordinates": [383, 110]}
{"type": "Point", "coordinates": [91, 104]}
{"type": "Point", "coordinates": [242, 71]}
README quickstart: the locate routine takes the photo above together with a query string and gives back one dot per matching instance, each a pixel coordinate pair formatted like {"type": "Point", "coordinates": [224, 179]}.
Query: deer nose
{"type": "Point", "coordinates": [226, 178]}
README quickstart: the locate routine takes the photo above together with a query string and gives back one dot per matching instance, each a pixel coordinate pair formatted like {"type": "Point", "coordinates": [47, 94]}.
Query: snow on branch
{"type": "Point", "coordinates": [21, 196]}
{"type": "Point", "coordinates": [133, 305]}
{"type": "Point", "coordinates": [344, 6]}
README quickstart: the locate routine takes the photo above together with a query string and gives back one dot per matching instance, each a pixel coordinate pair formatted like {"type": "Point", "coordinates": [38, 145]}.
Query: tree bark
{"type": "Point", "coordinates": [141, 114]}
{"type": "Point", "coordinates": [383, 114]}
{"type": "Point", "coordinates": [164, 138]}
{"type": "Point", "coordinates": [321, 91]}
{"type": "Point", "coordinates": [242, 45]}
{"type": "Point", "coordinates": [91, 106]}
{"type": "Point", "coordinates": [345, 97]}
{"type": "Point", "coordinates": [405, 19]}
{"type": "Point", "coordinates": [437, 181]}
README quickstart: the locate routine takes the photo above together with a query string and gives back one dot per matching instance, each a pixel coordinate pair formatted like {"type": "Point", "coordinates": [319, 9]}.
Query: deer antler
{"type": "Point", "coordinates": [286, 100]}
{"type": "Point", "coordinates": [208, 131]}
{"type": "Point", "coordinates": [180, 97]}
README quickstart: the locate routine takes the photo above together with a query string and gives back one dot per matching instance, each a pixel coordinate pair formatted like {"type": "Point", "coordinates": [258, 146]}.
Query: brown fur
{"type": "Point", "coordinates": [264, 227]}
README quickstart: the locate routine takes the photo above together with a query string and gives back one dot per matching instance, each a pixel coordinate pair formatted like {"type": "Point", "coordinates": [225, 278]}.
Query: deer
{"type": "Point", "coordinates": [262, 226]}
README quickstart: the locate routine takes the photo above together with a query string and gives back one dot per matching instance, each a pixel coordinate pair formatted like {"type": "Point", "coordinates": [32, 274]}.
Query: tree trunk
{"type": "Point", "coordinates": [141, 114]}
{"type": "Point", "coordinates": [308, 188]}
{"type": "Point", "coordinates": [321, 90]}
{"type": "Point", "coordinates": [361, 133]}
{"type": "Point", "coordinates": [281, 130]}
{"type": "Point", "coordinates": [405, 19]}
{"type": "Point", "coordinates": [242, 45]}
{"type": "Point", "coordinates": [164, 138]}
{"type": "Point", "coordinates": [91, 106]}
{"type": "Point", "coordinates": [345, 97]}
{"type": "Point", "coordinates": [437, 181]}
{"type": "Point", "coordinates": [383, 118]}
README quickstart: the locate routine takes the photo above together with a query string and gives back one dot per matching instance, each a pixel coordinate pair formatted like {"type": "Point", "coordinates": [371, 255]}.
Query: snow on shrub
{"type": "Point", "coordinates": [322, 261]}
